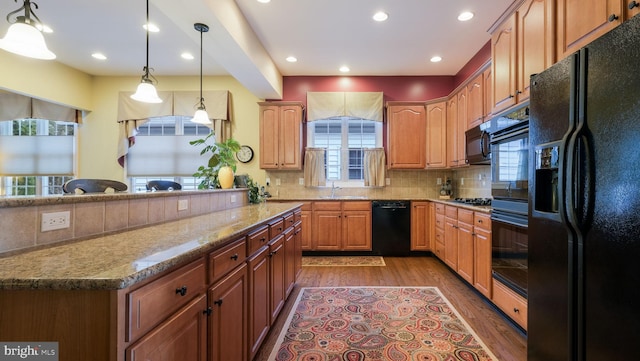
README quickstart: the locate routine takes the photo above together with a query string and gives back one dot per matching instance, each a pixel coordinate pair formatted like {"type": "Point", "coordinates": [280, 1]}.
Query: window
{"type": "Point", "coordinates": [157, 153]}
{"type": "Point", "coordinates": [30, 156]}
{"type": "Point", "coordinates": [344, 139]}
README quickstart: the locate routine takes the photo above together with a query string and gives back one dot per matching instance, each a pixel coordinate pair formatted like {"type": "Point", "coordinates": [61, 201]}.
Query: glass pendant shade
{"type": "Point", "coordinates": [201, 117]}
{"type": "Point", "coordinates": [146, 93]}
{"type": "Point", "coordinates": [24, 39]}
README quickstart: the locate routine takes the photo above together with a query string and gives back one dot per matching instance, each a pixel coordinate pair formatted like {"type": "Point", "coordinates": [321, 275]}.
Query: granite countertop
{"type": "Point", "coordinates": [120, 260]}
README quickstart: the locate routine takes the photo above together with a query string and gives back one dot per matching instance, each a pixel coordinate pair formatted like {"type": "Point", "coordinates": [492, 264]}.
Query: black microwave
{"type": "Point", "coordinates": [477, 139]}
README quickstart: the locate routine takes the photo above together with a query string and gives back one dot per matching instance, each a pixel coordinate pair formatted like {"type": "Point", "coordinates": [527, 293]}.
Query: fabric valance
{"type": "Point", "coordinates": [365, 105]}
{"type": "Point", "coordinates": [174, 103]}
{"type": "Point", "coordinates": [17, 106]}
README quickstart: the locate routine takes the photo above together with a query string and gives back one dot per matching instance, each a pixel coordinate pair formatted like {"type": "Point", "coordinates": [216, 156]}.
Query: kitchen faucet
{"type": "Point", "coordinates": [333, 189]}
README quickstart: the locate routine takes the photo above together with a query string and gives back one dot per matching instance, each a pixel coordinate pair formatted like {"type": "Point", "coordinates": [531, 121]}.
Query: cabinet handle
{"type": "Point", "coordinates": [263, 239]}
{"type": "Point", "coordinates": [181, 291]}
{"type": "Point", "coordinates": [234, 257]}
{"type": "Point", "coordinates": [519, 92]}
{"type": "Point", "coordinates": [633, 4]}
{"type": "Point", "coordinates": [479, 220]}
{"type": "Point", "coordinates": [613, 17]}
{"type": "Point", "coordinates": [218, 302]}
{"type": "Point", "coordinates": [511, 96]}
{"type": "Point", "coordinates": [208, 311]}
{"type": "Point", "coordinates": [516, 310]}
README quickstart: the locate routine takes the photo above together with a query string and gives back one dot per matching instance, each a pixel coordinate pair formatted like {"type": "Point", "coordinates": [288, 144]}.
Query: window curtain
{"type": "Point", "coordinates": [365, 105]}
{"type": "Point", "coordinates": [374, 167]}
{"type": "Point", "coordinates": [132, 114]}
{"type": "Point", "coordinates": [314, 172]}
{"type": "Point", "coordinates": [17, 106]}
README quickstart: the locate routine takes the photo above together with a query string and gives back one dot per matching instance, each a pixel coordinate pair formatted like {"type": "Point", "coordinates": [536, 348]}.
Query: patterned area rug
{"type": "Point", "coordinates": [332, 261]}
{"type": "Point", "coordinates": [376, 324]}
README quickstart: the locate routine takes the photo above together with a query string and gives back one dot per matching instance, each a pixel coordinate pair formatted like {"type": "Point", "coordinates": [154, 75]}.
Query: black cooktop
{"type": "Point", "coordinates": [474, 201]}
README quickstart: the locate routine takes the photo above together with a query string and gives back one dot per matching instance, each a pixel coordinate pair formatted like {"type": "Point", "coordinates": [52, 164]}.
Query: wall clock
{"type": "Point", "coordinates": [245, 154]}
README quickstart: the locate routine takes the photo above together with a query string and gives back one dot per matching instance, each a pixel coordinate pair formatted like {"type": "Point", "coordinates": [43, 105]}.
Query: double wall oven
{"type": "Point", "coordinates": [509, 189]}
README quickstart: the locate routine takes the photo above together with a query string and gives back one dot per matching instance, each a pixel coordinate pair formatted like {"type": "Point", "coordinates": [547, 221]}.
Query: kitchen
{"type": "Point", "coordinates": [468, 182]}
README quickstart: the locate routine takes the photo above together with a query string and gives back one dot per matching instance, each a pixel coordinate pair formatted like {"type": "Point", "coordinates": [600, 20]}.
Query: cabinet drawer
{"type": "Point", "coordinates": [440, 235]}
{"type": "Point", "coordinates": [482, 220]}
{"type": "Point", "coordinates": [356, 206]}
{"type": "Point", "coordinates": [439, 208]}
{"type": "Point", "coordinates": [465, 216]}
{"type": "Point", "coordinates": [327, 206]}
{"type": "Point", "coordinates": [440, 221]}
{"type": "Point", "coordinates": [154, 302]}
{"type": "Point", "coordinates": [289, 220]}
{"type": "Point", "coordinates": [297, 216]}
{"type": "Point", "coordinates": [224, 260]}
{"type": "Point", "coordinates": [307, 206]}
{"type": "Point", "coordinates": [276, 227]}
{"type": "Point", "coordinates": [451, 212]}
{"type": "Point", "coordinates": [514, 305]}
{"type": "Point", "coordinates": [257, 239]}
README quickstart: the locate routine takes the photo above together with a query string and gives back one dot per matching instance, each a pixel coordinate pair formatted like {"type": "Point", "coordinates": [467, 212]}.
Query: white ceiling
{"type": "Point", "coordinates": [250, 40]}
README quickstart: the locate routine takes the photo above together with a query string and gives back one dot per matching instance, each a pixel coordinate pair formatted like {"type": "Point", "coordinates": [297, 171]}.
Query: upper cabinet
{"type": "Point", "coordinates": [281, 135]}
{"type": "Point", "coordinates": [475, 102]}
{"type": "Point", "coordinates": [521, 46]}
{"type": "Point", "coordinates": [580, 22]}
{"type": "Point", "coordinates": [437, 135]}
{"type": "Point", "coordinates": [407, 131]}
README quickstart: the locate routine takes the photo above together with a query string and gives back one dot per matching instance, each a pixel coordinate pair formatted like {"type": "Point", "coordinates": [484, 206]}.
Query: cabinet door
{"type": "Point", "coordinates": [420, 226]}
{"type": "Point", "coordinates": [297, 238]}
{"type": "Point", "coordinates": [536, 42]}
{"type": "Point", "coordinates": [451, 242]}
{"type": "Point", "coordinates": [461, 144]}
{"type": "Point", "coordinates": [580, 22]}
{"type": "Point", "coordinates": [482, 271]}
{"type": "Point", "coordinates": [475, 102]}
{"type": "Point", "coordinates": [228, 320]}
{"type": "Point", "coordinates": [289, 138]}
{"type": "Point", "coordinates": [183, 334]}
{"type": "Point", "coordinates": [269, 133]}
{"type": "Point", "coordinates": [465, 250]}
{"type": "Point", "coordinates": [356, 230]}
{"type": "Point", "coordinates": [277, 270]}
{"type": "Point", "coordinates": [503, 57]}
{"type": "Point", "coordinates": [437, 135]}
{"type": "Point", "coordinates": [259, 281]}
{"type": "Point", "coordinates": [289, 260]}
{"type": "Point", "coordinates": [327, 227]}
{"type": "Point", "coordinates": [406, 134]}
{"type": "Point", "coordinates": [488, 93]}
{"type": "Point", "coordinates": [452, 129]}
{"type": "Point", "coordinates": [306, 235]}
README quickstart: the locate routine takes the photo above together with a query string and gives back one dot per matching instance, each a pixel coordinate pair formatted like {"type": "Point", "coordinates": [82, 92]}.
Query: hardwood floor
{"type": "Point", "coordinates": [503, 339]}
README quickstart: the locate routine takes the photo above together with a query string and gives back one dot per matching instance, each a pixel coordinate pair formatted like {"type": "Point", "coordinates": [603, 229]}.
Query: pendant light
{"type": "Point", "coordinates": [201, 116]}
{"type": "Point", "coordinates": [146, 92]}
{"type": "Point", "coordinates": [23, 37]}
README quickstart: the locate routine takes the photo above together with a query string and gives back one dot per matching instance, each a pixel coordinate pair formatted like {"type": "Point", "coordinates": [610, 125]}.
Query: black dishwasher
{"type": "Point", "coordinates": [391, 228]}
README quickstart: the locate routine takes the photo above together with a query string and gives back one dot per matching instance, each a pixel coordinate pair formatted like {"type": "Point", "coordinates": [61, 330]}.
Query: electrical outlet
{"type": "Point", "coordinates": [268, 181]}
{"type": "Point", "coordinates": [301, 181]}
{"type": "Point", "coordinates": [183, 204]}
{"type": "Point", "coordinates": [55, 220]}
{"type": "Point", "coordinates": [387, 181]}
{"type": "Point", "coordinates": [277, 181]}
{"type": "Point", "coordinates": [232, 199]}
{"type": "Point", "coordinates": [439, 181]}
{"type": "Point", "coordinates": [461, 181]}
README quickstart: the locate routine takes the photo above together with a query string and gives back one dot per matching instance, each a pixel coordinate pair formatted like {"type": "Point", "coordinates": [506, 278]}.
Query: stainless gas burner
{"type": "Point", "coordinates": [474, 201]}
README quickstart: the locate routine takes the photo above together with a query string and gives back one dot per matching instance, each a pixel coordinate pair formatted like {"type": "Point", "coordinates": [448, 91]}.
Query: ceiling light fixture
{"type": "Point", "coordinates": [99, 56]}
{"type": "Point", "coordinates": [146, 92]}
{"type": "Point", "coordinates": [436, 59]}
{"type": "Point", "coordinates": [292, 59]}
{"type": "Point", "coordinates": [465, 16]}
{"type": "Point", "coordinates": [380, 16]}
{"type": "Point", "coordinates": [187, 56]}
{"type": "Point", "coordinates": [201, 116]}
{"type": "Point", "coordinates": [344, 69]}
{"type": "Point", "coordinates": [23, 37]}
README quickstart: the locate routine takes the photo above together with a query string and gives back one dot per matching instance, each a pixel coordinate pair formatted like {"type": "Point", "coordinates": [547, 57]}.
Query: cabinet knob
{"type": "Point", "coordinates": [234, 257]}
{"type": "Point", "coordinates": [263, 239]}
{"type": "Point", "coordinates": [181, 291]}
{"type": "Point", "coordinates": [511, 96]}
{"type": "Point", "coordinates": [633, 4]}
{"type": "Point", "coordinates": [208, 311]}
{"type": "Point", "coordinates": [218, 302]}
{"type": "Point", "coordinates": [516, 310]}
{"type": "Point", "coordinates": [613, 17]}
{"type": "Point", "coordinates": [519, 92]}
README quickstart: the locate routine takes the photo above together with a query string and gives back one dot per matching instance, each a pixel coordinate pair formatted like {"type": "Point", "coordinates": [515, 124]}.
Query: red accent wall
{"type": "Point", "coordinates": [478, 60]}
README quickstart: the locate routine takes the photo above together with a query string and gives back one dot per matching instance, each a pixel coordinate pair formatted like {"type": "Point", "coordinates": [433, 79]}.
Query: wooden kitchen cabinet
{"type": "Point", "coordinates": [451, 237]}
{"type": "Point", "coordinates": [475, 102]}
{"type": "Point", "coordinates": [341, 226]}
{"type": "Point", "coordinates": [439, 224]}
{"type": "Point", "coordinates": [513, 305]}
{"type": "Point", "coordinates": [453, 148]}
{"type": "Point", "coordinates": [421, 226]}
{"type": "Point", "coordinates": [580, 22]}
{"type": "Point", "coordinates": [290, 264]}
{"type": "Point", "coordinates": [523, 45]}
{"type": "Point", "coordinates": [259, 311]}
{"type": "Point", "coordinates": [228, 320]}
{"type": "Point", "coordinates": [281, 135]}
{"type": "Point", "coordinates": [277, 269]}
{"type": "Point", "coordinates": [482, 253]}
{"type": "Point", "coordinates": [406, 134]}
{"type": "Point", "coordinates": [487, 78]}
{"type": "Point", "coordinates": [307, 226]}
{"type": "Point", "coordinates": [466, 245]}
{"type": "Point", "coordinates": [437, 135]}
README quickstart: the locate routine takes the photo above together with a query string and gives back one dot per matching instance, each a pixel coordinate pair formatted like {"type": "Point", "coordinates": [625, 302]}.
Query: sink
{"type": "Point", "coordinates": [343, 197]}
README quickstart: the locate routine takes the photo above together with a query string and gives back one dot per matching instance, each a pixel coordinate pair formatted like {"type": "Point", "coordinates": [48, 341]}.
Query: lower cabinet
{"type": "Point", "coordinates": [341, 226]}
{"type": "Point", "coordinates": [513, 305]}
{"type": "Point", "coordinates": [466, 245]}
{"type": "Point", "coordinates": [228, 316]}
{"type": "Point", "coordinates": [277, 267]}
{"type": "Point", "coordinates": [259, 310]}
{"type": "Point", "coordinates": [421, 226]}
{"type": "Point", "coordinates": [482, 253]}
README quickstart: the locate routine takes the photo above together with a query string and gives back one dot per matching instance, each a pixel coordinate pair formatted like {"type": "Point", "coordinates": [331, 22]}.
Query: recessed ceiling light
{"type": "Point", "coordinates": [152, 28]}
{"type": "Point", "coordinates": [436, 59]}
{"type": "Point", "coordinates": [344, 69]}
{"type": "Point", "coordinates": [292, 59]}
{"type": "Point", "coordinates": [187, 56]}
{"type": "Point", "coordinates": [99, 56]}
{"type": "Point", "coordinates": [380, 16]}
{"type": "Point", "coordinates": [466, 15]}
{"type": "Point", "coordinates": [264, 1]}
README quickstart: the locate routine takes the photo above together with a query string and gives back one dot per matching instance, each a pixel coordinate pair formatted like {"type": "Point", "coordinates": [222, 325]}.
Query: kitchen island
{"type": "Point", "coordinates": [125, 295]}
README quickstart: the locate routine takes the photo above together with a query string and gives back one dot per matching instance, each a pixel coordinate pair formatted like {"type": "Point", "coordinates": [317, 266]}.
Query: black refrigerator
{"type": "Point", "coordinates": [584, 203]}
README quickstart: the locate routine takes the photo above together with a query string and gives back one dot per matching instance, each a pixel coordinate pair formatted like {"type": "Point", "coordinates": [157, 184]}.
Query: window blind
{"type": "Point", "coordinates": [165, 156]}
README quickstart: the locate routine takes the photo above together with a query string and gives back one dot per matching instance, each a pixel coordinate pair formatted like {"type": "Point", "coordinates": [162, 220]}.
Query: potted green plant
{"type": "Point", "coordinates": [255, 195]}
{"type": "Point", "coordinates": [221, 165]}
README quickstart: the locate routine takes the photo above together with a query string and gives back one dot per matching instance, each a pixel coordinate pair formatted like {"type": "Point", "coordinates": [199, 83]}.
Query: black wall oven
{"type": "Point", "coordinates": [510, 190]}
